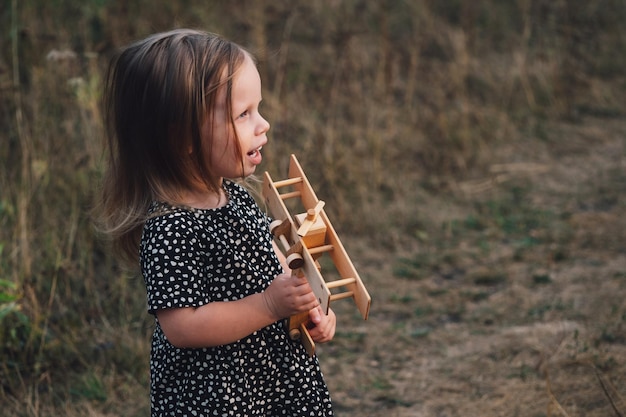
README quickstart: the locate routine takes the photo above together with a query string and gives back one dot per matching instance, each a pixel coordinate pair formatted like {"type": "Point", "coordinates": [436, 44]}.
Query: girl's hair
{"type": "Point", "coordinates": [158, 94]}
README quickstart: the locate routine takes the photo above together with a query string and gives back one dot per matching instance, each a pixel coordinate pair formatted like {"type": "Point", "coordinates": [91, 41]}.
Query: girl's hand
{"type": "Point", "coordinates": [324, 325]}
{"type": "Point", "coordinates": [288, 295]}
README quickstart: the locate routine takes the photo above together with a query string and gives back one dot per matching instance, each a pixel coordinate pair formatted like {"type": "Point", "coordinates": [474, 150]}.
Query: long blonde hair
{"type": "Point", "coordinates": [158, 94]}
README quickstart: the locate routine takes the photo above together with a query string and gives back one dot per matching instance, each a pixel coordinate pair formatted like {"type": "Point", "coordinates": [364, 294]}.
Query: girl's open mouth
{"type": "Point", "coordinates": [255, 155]}
{"type": "Point", "coordinates": [255, 152]}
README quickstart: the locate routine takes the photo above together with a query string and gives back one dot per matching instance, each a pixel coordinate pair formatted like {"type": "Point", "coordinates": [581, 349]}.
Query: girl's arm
{"type": "Point", "coordinates": [219, 323]}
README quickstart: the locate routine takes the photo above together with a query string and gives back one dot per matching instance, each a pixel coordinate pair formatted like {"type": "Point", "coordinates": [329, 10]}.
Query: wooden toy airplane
{"type": "Point", "coordinates": [305, 237]}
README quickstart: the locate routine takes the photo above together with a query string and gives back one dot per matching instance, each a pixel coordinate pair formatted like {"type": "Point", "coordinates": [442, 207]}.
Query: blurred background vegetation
{"type": "Point", "coordinates": [385, 103]}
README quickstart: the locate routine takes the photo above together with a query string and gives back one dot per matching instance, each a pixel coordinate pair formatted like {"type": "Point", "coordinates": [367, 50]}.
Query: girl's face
{"type": "Point", "coordinates": [250, 127]}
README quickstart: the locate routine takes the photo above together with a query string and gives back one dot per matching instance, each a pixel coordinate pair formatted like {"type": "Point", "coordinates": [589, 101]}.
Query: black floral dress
{"type": "Point", "coordinates": [191, 257]}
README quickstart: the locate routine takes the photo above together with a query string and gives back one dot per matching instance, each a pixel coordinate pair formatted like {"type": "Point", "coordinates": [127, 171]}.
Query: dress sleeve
{"type": "Point", "coordinates": [171, 263]}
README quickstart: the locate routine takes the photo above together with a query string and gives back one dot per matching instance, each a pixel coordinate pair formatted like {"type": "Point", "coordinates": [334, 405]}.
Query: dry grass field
{"type": "Point", "coordinates": [472, 156]}
{"type": "Point", "coordinates": [476, 320]}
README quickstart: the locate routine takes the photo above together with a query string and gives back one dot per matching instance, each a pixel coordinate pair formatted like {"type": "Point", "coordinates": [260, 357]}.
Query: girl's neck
{"type": "Point", "coordinates": [204, 199]}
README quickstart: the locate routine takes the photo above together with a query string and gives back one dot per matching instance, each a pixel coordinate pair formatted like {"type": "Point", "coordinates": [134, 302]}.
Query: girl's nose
{"type": "Point", "coordinates": [263, 126]}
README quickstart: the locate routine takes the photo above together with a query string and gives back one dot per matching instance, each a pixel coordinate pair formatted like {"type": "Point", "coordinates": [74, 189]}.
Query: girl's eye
{"type": "Point", "coordinates": [244, 114]}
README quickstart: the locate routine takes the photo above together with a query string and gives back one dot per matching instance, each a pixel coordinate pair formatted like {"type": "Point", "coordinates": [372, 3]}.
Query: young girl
{"type": "Point", "coordinates": [183, 118]}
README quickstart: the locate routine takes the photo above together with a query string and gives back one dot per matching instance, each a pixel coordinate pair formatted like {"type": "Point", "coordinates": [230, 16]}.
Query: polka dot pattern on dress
{"type": "Point", "coordinates": [191, 257]}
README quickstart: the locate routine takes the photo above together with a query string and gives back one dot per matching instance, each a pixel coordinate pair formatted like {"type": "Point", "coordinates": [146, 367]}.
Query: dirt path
{"type": "Point", "coordinates": [511, 326]}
